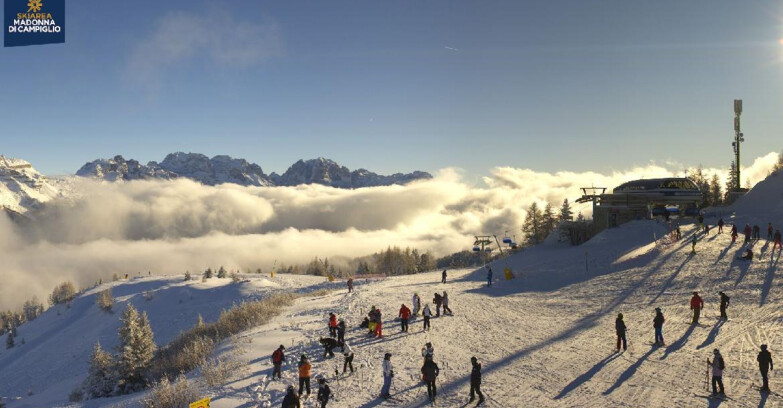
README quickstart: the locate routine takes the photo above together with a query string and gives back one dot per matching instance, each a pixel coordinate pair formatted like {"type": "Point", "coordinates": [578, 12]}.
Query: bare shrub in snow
{"type": "Point", "coordinates": [105, 300]}
{"type": "Point", "coordinates": [177, 394]}
{"type": "Point", "coordinates": [63, 293]}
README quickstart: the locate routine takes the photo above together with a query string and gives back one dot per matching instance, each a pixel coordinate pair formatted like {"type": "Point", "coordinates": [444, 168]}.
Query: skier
{"type": "Point", "coordinates": [445, 301]}
{"type": "Point", "coordinates": [428, 351]}
{"type": "Point", "coordinates": [696, 305]}
{"type": "Point", "coordinates": [747, 256]}
{"type": "Point", "coordinates": [747, 231]}
{"type": "Point", "coordinates": [378, 323]}
{"type": "Point", "coordinates": [404, 315]}
{"type": "Point", "coordinates": [475, 381]}
{"type": "Point", "coordinates": [658, 325]}
{"type": "Point", "coordinates": [619, 326]}
{"type": "Point", "coordinates": [416, 304]}
{"type": "Point", "coordinates": [693, 244]}
{"type": "Point", "coordinates": [489, 276]}
{"type": "Point", "coordinates": [332, 325]}
{"type": "Point", "coordinates": [429, 372]}
{"type": "Point", "coordinates": [679, 233]}
{"type": "Point", "coordinates": [348, 355]}
{"type": "Point", "coordinates": [777, 241]}
{"type": "Point", "coordinates": [323, 392]}
{"type": "Point", "coordinates": [734, 233]}
{"type": "Point", "coordinates": [341, 331]}
{"type": "Point", "coordinates": [329, 345]}
{"type": "Point", "coordinates": [720, 226]}
{"type": "Point", "coordinates": [427, 313]}
{"type": "Point", "coordinates": [770, 230]}
{"type": "Point", "coordinates": [291, 400]}
{"type": "Point", "coordinates": [717, 365]}
{"type": "Point", "coordinates": [438, 300]}
{"type": "Point", "coordinates": [701, 221]}
{"type": "Point", "coordinates": [443, 276]}
{"type": "Point", "coordinates": [756, 233]}
{"type": "Point", "coordinates": [304, 375]}
{"type": "Point", "coordinates": [277, 361]}
{"type": "Point", "coordinates": [724, 303]}
{"type": "Point", "coordinates": [388, 374]}
{"type": "Point", "coordinates": [765, 364]}
{"type": "Point", "coordinates": [706, 229]}
{"type": "Point", "coordinates": [350, 285]}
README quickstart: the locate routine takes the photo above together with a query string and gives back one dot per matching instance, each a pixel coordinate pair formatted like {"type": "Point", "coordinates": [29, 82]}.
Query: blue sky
{"type": "Point", "coordinates": [400, 86]}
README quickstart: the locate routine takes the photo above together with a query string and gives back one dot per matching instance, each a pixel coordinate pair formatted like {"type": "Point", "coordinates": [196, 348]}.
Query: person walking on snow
{"type": "Point", "coordinates": [696, 305]}
{"type": "Point", "coordinates": [446, 309]}
{"type": "Point", "coordinates": [734, 233]}
{"type": "Point", "coordinates": [724, 303]}
{"type": "Point", "coordinates": [428, 351]}
{"type": "Point", "coordinates": [323, 392]}
{"type": "Point", "coordinates": [291, 400]}
{"type": "Point", "coordinates": [416, 304]}
{"type": "Point", "coordinates": [429, 372]}
{"type": "Point", "coordinates": [304, 375]}
{"type": "Point", "coordinates": [438, 300]}
{"type": "Point", "coordinates": [765, 364]}
{"type": "Point", "coordinates": [678, 233]}
{"type": "Point", "coordinates": [350, 285]}
{"type": "Point", "coordinates": [747, 231]}
{"type": "Point", "coordinates": [658, 325]}
{"type": "Point", "coordinates": [777, 241]}
{"type": "Point", "coordinates": [475, 381]}
{"type": "Point", "coordinates": [388, 374]}
{"type": "Point", "coordinates": [378, 324]}
{"type": "Point", "coordinates": [720, 226]}
{"type": "Point", "coordinates": [770, 230]}
{"type": "Point", "coordinates": [427, 313]}
{"type": "Point", "coordinates": [348, 357]}
{"type": "Point", "coordinates": [701, 221]}
{"type": "Point", "coordinates": [489, 276]}
{"type": "Point", "coordinates": [341, 331]}
{"type": "Point", "coordinates": [277, 361]}
{"type": "Point", "coordinates": [332, 325]}
{"type": "Point", "coordinates": [717, 365]}
{"type": "Point", "coordinates": [404, 315]}
{"type": "Point", "coordinates": [693, 244]}
{"type": "Point", "coordinates": [443, 276]}
{"type": "Point", "coordinates": [619, 327]}
{"type": "Point", "coordinates": [329, 345]}
{"type": "Point", "coordinates": [756, 233]}
{"type": "Point", "coordinates": [706, 229]}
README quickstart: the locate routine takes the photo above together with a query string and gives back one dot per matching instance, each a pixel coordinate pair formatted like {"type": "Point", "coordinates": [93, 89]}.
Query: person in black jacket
{"type": "Point", "coordinates": [724, 303]}
{"type": "Point", "coordinates": [323, 392]}
{"type": "Point", "coordinates": [765, 364]}
{"type": "Point", "coordinates": [619, 326]}
{"type": "Point", "coordinates": [475, 381]}
{"type": "Point", "coordinates": [341, 331]}
{"type": "Point", "coordinates": [291, 400]}
{"type": "Point", "coordinates": [658, 325]}
{"type": "Point", "coordinates": [430, 373]}
{"type": "Point", "coordinates": [438, 300]}
{"type": "Point", "coordinates": [329, 345]}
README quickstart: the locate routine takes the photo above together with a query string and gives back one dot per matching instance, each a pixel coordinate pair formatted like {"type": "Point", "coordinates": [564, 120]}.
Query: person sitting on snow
{"type": "Point", "coordinates": [748, 255]}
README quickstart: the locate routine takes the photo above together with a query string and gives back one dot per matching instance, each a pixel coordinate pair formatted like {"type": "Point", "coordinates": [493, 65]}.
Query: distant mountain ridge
{"type": "Point", "coordinates": [22, 187]}
{"type": "Point", "coordinates": [225, 169]}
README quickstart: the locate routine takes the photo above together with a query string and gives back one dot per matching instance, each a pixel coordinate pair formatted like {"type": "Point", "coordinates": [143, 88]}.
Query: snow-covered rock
{"type": "Point", "coordinates": [327, 172]}
{"type": "Point", "coordinates": [22, 188]}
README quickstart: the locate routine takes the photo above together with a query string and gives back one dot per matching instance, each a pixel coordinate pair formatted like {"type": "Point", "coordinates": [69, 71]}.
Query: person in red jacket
{"type": "Point", "coordinates": [405, 314]}
{"type": "Point", "coordinates": [734, 233]}
{"type": "Point", "coordinates": [696, 305]}
{"type": "Point", "coordinates": [747, 231]}
{"type": "Point", "coordinates": [332, 325]}
{"type": "Point", "coordinates": [777, 241]}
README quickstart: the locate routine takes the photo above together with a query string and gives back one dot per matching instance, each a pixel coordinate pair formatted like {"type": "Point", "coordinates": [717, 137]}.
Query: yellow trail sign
{"type": "Point", "coordinates": [202, 403]}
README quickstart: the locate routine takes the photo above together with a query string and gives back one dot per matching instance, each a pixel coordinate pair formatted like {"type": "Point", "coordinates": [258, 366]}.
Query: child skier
{"type": "Point", "coordinates": [658, 325]}
{"type": "Point", "coordinates": [619, 327]}
{"type": "Point", "coordinates": [277, 361]}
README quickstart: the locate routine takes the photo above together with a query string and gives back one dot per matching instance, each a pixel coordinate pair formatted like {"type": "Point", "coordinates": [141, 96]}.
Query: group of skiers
{"type": "Point", "coordinates": [752, 234]}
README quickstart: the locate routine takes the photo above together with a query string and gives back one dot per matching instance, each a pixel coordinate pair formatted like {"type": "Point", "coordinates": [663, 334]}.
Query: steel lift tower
{"type": "Point", "coordinates": [738, 138]}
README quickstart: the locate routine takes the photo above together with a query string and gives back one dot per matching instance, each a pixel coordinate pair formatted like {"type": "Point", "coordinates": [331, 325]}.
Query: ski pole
{"type": "Point", "coordinates": [707, 377]}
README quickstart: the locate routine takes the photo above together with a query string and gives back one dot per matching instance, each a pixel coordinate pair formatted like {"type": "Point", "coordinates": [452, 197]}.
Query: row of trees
{"type": "Point", "coordinates": [539, 223]}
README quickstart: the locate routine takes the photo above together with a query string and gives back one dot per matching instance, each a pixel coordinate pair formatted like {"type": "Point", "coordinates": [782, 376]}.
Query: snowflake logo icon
{"type": "Point", "coordinates": [35, 5]}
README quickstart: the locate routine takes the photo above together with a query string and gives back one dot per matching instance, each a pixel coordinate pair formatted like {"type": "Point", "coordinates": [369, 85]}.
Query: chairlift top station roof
{"type": "Point", "coordinates": [676, 185]}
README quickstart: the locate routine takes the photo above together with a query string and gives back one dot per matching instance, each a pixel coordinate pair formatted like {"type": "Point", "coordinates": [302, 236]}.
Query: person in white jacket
{"type": "Point", "coordinates": [388, 373]}
{"type": "Point", "coordinates": [717, 372]}
{"type": "Point", "coordinates": [416, 304]}
{"type": "Point", "coordinates": [348, 354]}
{"type": "Point", "coordinates": [427, 314]}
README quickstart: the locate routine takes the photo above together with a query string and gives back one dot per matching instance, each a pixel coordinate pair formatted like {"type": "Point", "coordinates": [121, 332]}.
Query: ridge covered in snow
{"type": "Point", "coordinates": [23, 188]}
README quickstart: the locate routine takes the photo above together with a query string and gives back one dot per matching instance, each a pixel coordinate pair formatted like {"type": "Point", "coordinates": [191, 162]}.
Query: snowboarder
{"type": "Point", "coordinates": [717, 365]}
{"type": "Point", "coordinates": [416, 304]}
{"type": "Point", "coordinates": [427, 313]}
{"type": "Point", "coordinates": [350, 285]}
{"type": "Point", "coordinates": [777, 241]}
{"type": "Point", "coordinates": [438, 300]}
{"type": "Point", "coordinates": [734, 233]}
{"type": "Point", "coordinates": [323, 392]}
{"type": "Point", "coordinates": [443, 276]}
{"type": "Point", "coordinates": [332, 325]}
{"type": "Point", "coordinates": [278, 356]}
{"type": "Point", "coordinates": [348, 356]}
{"type": "Point", "coordinates": [724, 303]}
{"type": "Point", "coordinates": [619, 327]}
{"type": "Point", "coordinates": [747, 256]}
{"type": "Point", "coordinates": [747, 231]}
{"type": "Point", "coordinates": [304, 375]}
{"type": "Point", "coordinates": [693, 244]}
{"type": "Point", "coordinates": [291, 400]}
{"type": "Point", "coordinates": [489, 276]}
{"type": "Point", "coordinates": [720, 226]}
{"type": "Point", "coordinates": [429, 372]}
{"type": "Point", "coordinates": [756, 233]}
{"type": "Point", "coordinates": [341, 331]}
{"type": "Point", "coordinates": [445, 300]}
{"type": "Point", "coordinates": [658, 325]}
{"type": "Point", "coordinates": [765, 364]}
{"type": "Point", "coordinates": [388, 374]}
{"type": "Point", "coordinates": [329, 345]}
{"type": "Point", "coordinates": [404, 315]}
{"type": "Point", "coordinates": [696, 305]}
{"type": "Point", "coordinates": [770, 230]}
{"type": "Point", "coordinates": [475, 381]}
{"type": "Point", "coordinates": [428, 351]}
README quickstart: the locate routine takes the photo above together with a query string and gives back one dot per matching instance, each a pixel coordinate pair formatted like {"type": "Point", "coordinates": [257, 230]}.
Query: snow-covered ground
{"type": "Point", "coordinates": [545, 339]}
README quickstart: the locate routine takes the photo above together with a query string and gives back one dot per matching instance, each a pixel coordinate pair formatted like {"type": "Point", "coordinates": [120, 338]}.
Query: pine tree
{"type": "Point", "coordinates": [716, 195]}
{"type": "Point", "coordinates": [221, 272]}
{"type": "Point", "coordinates": [102, 375]}
{"type": "Point", "coordinates": [731, 183]}
{"type": "Point", "coordinates": [566, 214]}
{"type": "Point", "coordinates": [137, 347]}
{"type": "Point", "coordinates": [698, 177]}
{"type": "Point", "coordinates": [533, 225]}
{"type": "Point", "coordinates": [105, 300]}
{"type": "Point", "coordinates": [63, 293]}
{"type": "Point", "coordinates": [208, 273]}
{"type": "Point", "coordinates": [9, 341]}
{"type": "Point", "coordinates": [580, 218]}
{"type": "Point", "coordinates": [188, 276]}
{"type": "Point", "coordinates": [549, 221]}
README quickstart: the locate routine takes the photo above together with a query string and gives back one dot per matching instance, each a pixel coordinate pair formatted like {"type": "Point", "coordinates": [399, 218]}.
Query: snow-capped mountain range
{"type": "Point", "coordinates": [225, 169]}
{"type": "Point", "coordinates": [22, 187]}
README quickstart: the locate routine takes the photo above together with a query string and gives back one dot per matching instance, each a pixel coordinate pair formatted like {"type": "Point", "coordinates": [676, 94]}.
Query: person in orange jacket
{"type": "Point", "coordinates": [304, 375]}
{"type": "Point", "coordinates": [405, 314]}
{"type": "Point", "coordinates": [696, 305]}
{"type": "Point", "coordinates": [332, 325]}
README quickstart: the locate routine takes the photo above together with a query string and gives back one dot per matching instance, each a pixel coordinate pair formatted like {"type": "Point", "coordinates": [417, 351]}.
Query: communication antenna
{"type": "Point", "coordinates": [739, 137]}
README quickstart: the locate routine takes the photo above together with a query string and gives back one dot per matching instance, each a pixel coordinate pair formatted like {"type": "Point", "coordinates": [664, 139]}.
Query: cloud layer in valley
{"type": "Point", "coordinates": [174, 226]}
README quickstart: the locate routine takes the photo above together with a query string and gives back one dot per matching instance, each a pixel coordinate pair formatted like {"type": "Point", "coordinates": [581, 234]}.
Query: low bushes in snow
{"type": "Point", "coordinates": [105, 300]}
{"type": "Point", "coordinates": [177, 394]}
{"type": "Point", "coordinates": [63, 293]}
